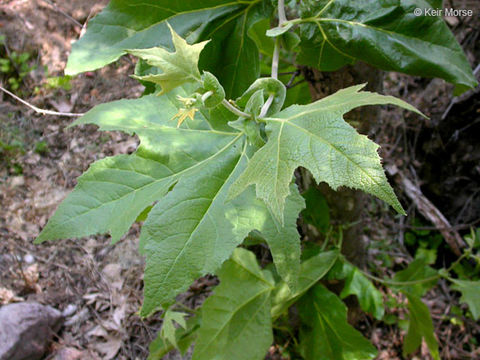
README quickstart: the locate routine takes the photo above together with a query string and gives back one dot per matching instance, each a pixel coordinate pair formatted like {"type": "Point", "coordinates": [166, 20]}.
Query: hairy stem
{"type": "Point", "coordinates": [234, 110]}
{"type": "Point", "coordinates": [281, 12]}
{"type": "Point", "coordinates": [276, 57]}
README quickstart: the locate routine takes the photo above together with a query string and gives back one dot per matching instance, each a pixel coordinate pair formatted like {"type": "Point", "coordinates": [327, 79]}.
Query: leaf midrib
{"type": "Point", "coordinates": [201, 220]}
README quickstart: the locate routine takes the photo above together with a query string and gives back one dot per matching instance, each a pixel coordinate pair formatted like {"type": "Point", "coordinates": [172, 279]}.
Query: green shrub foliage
{"type": "Point", "coordinates": [223, 174]}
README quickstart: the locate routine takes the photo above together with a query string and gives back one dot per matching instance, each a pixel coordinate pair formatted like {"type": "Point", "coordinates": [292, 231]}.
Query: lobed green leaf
{"type": "Point", "coordinates": [470, 295]}
{"type": "Point", "coordinates": [317, 137]}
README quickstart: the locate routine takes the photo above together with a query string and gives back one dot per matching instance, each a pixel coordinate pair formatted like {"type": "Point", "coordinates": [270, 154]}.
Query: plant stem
{"type": "Point", "coordinates": [281, 12]}
{"type": "Point", "coordinates": [266, 106]}
{"type": "Point", "coordinates": [234, 110]}
{"type": "Point", "coordinates": [414, 282]}
{"type": "Point", "coordinates": [400, 283]}
{"type": "Point", "coordinates": [38, 110]}
{"type": "Point", "coordinates": [185, 308]}
{"type": "Point", "coordinates": [207, 95]}
{"type": "Point", "coordinates": [276, 57]}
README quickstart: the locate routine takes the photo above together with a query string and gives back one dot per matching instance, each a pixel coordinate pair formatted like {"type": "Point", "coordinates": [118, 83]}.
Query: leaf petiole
{"type": "Point", "coordinates": [234, 110]}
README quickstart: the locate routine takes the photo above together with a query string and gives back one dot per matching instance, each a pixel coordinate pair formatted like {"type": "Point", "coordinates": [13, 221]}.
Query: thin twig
{"type": "Point", "coordinates": [38, 110]}
{"type": "Point", "coordinates": [266, 106]}
{"type": "Point", "coordinates": [281, 12]}
{"type": "Point", "coordinates": [57, 8]}
{"type": "Point", "coordinates": [295, 84]}
{"type": "Point", "coordinates": [276, 57]}
{"type": "Point", "coordinates": [292, 78]}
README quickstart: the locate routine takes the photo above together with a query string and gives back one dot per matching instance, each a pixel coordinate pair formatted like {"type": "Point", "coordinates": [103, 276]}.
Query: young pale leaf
{"type": "Point", "coordinates": [311, 271]}
{"type": "Point", "coordinates": [114, 191]}
{"type": "Point", "coordinates": [140, 24]}
{"type": "Point", "coordinates": [178, 67]}
{"type": "Point", "coordinates": [385, 34]}
{"type": "Point", "coordinates": [237, 324]}
{"type": "Point", "coordinates": [168, 326]}
{"type": "Point", "coordinates": [370, 299]}
{"type": "Point", "coordinates": [325, 333]}
{"type": "Point", "coordinates": [470, 295]}
{"type": "Point", "coordinates": [317, 137]}
{"type": "Point", "coordinates": [420, 326]}
{"type": "Point", "coordinates": [184, 337]}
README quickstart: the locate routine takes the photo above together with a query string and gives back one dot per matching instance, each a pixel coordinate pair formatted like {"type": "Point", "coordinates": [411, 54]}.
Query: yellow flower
{"type": "Point", "coordinates": [182, 114]}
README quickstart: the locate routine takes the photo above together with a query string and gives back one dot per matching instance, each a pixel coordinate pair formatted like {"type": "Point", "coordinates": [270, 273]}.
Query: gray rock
{"type": "Point", "coordinates": [69, 353]}
{"type": "Point", "coordinates": [26, 329]}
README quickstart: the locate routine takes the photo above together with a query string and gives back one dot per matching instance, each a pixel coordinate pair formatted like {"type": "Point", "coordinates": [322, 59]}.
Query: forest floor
{"type": "Point", "coordinates": [99, 286]}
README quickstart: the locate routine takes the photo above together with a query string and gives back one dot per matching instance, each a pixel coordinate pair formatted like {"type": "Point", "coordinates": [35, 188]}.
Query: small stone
{"type": "Point", "coordinates": [29, 259]}
{"type": "Point", "coordinates": [26, 329]}
{"type": "Point", "coordinates": [17, 181]}
{"type": "Point", "coordinates": [69, 353]}
{"type": "Point", "coordinates": [69, 310]}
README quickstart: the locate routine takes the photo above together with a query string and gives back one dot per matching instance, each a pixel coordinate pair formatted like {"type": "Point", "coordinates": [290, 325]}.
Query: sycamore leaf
{"type": "Point", "coordinates": [184, 337]}
{"type": "Point", "coordinates": [140, 24]}
{"type": "Point", "coordinates": [420, 326]}
{"type": "Point", "coordinates": [325, 333]}
{"type": "Point", "coordinates": [370, 299]}
{"type": "Point", "coordinates": [178, 67]}
{"type": "Point", "coordinates": [168, 327]}
{"type": "Point", "coordinates": [317, 137]}
{"type": "Point", "coordinates": [384, 34]}
{"type": "Point", "coordinates": [237, 324]}
{"type": "Point", "coordinates": [193, 230]}
{"type": "Point", "coordinates": [470, 295]}
{"type": "Point", "coordinates": [114, 191]}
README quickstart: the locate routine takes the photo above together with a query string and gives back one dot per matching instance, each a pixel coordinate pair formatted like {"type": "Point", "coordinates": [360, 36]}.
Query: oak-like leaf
{"type": "Point", "coordinates": [178, 67]}
{"type": "Point", "coordinates": [317, 137]}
